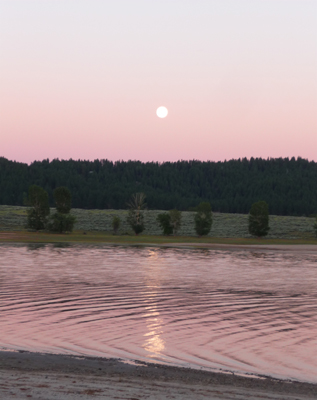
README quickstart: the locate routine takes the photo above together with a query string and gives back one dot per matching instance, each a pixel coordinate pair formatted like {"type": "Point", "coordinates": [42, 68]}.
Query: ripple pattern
{"type": "Point", "coordinates": [244, 311]}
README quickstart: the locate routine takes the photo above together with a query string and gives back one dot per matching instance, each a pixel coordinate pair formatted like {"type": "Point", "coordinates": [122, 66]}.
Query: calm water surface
{"type": "Point", "coordinates": [245, 311]}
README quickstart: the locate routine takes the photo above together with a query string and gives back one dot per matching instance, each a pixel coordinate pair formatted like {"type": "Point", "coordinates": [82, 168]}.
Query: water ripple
{"type": "Point", "coordinates": [252, 312]}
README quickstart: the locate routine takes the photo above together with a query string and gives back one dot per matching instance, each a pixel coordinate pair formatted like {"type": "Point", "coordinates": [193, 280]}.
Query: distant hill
{"type": "Point", "coordinates": [288, 185]}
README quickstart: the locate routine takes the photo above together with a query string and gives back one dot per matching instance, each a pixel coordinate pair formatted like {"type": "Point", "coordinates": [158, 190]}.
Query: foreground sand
{"type": "Point", "coordinates": [26, 375]}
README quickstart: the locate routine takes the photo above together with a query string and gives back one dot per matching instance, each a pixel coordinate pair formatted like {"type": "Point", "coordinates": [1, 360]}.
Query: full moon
{"type": "Point", "coordinates": [162, 112]}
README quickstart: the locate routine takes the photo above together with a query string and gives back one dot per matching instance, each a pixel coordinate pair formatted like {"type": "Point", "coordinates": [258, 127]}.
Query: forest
{"type": "Point", "coordinates": [289, 186]}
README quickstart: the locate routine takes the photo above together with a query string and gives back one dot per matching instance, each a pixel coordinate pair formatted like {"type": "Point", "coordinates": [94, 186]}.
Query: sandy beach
{"type": "Point", "coordinates": [45, 376]}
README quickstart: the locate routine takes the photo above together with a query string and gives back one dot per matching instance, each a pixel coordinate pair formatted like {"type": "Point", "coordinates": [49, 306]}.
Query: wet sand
{"type": "Point", "coordinates": [44, 376]}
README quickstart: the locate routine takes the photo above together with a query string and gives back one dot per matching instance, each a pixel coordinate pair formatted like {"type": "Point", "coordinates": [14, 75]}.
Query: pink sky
{"type": "Point", "coordinates": [83, 79]}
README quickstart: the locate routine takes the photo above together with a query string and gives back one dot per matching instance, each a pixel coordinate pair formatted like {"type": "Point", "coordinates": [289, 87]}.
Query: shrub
{"type": "Point", "coordinates": [259, 219]}
{"type": "Point", "coordinates": [116, 221]}
{"type": "Point", "coordinates": [63, 199]}
{"type": "Point", "coordinates": [37, 214]}
{"type": "Point", "coordinates": [135, 216]}
{"type": "Point", "coordinates": [170, 222]}
{"type": "Point", "coordinates": [203, 219]}
{"type": "Point", "coordinates": [60, 223]}
{"type": "Point", "coordinates": [176, 220]}
{"type": "Point", "coordinates": [164, 221]}
{"type": "Point", "coordinates": [136, 220]}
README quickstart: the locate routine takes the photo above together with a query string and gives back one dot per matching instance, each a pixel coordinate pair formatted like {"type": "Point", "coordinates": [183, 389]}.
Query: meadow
{"type": "Point", "coordinates": [14, 218]}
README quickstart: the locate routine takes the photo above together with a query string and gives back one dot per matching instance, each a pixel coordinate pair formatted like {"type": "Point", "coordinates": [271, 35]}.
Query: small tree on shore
{"type": "Point", "coordinates": [259, 219]}
{"type": "Point", "coordinates": [62, 221]}
{"type": "Point", "coordinates": [176, 220]}
{"type": "Point", "coordinates": [39, 211]}
{"type": "Point", "coordinates": [135, 216]}
{"type": "Point", "coordinates": [164, 221]}
{"type": "Point", "coordinates": [203, 219]}
{"type": "Point", "coordinates": [315, 226]}
{"type": "Point", "coordinates": [116, 221]}
{"type": "Point", "coordinates": [170, 222]}
{"type": "Point", "coordinates": [63, 199]}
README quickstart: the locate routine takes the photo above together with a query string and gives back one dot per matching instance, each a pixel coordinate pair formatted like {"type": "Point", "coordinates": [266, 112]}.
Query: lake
{"type": "Point", "coordinates": [249, 312]}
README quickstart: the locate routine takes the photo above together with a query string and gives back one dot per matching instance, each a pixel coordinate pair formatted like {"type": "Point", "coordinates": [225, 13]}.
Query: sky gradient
{"type": "Point", "coordinates": [83, 79]}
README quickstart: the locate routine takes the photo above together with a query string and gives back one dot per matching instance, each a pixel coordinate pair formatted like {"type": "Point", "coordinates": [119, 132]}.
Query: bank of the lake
{"type": "Point", "coordinates": [158, 240]}
{"type": "Point", "coordinates": [47, 376]}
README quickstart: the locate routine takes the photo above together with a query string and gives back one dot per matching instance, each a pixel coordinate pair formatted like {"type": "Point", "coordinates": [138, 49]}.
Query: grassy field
{"type": "Point", "coordinates": [98, 224]}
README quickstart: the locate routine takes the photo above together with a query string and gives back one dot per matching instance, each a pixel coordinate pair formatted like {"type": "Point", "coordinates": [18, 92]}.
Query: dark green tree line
{"type": "Point", "coordinates": [289, 186]}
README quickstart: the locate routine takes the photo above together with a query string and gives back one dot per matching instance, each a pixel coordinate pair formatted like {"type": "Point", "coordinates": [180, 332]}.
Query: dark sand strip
{"type": "Point", "coordinates": [45, 376]}
{"type": "Point", "coordinates": [303, 248]}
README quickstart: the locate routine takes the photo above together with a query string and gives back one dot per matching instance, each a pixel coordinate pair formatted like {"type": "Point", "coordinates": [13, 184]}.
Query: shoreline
{"type": "Point", "coordinates": [266, 247]}
{"type": "Point", "coordinates": [213, 243]}
{"type": "Point", "coordinates": [97, 376]}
